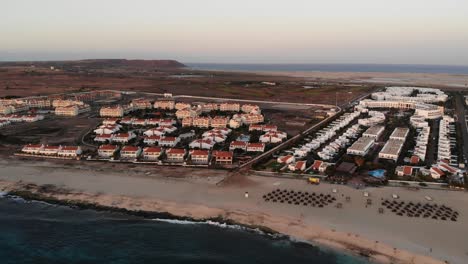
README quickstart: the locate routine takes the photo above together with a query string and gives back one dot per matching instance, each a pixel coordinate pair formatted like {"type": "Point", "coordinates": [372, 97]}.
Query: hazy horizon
{"type": "Point", "coordinates": [295, 32]}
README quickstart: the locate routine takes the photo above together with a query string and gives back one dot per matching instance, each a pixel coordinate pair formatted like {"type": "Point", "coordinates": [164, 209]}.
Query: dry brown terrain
{"type": "Point", "coordinates": [40, 80]}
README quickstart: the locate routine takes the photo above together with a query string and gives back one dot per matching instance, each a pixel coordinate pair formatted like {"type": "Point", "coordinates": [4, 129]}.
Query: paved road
{"type": "Point", "coordinates": [462, 119]}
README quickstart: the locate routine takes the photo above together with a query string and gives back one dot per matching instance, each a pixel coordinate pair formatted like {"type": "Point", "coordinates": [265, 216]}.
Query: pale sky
{"type": "Point", "coordinates": [238, 31]}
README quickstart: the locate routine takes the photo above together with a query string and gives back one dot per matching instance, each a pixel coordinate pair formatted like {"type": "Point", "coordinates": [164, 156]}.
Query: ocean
{"type": "Point", "coordinates": [37, 232]}
{"type": "Point", "coordinates": [390, 68]}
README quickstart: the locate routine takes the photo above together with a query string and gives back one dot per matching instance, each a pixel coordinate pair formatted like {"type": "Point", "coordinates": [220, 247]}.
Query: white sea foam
{"type": "Point", "coordinates": [3, 194]}
{"type": "Point", "coordinates": [217, 224]}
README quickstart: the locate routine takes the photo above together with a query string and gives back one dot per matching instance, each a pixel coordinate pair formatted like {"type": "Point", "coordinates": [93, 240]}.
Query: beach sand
{"type": "Point", "coordinates": [388, 238]}
{"type": "Point", "coordinates": [457, 81]}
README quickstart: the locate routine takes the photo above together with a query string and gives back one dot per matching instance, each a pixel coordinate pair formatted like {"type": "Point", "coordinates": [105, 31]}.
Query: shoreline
{"type": "Point", "coordinates": [293, 228]}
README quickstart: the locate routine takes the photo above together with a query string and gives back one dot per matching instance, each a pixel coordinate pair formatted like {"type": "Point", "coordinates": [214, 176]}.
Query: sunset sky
{"type": "Point", "coordinates": [241, 31]}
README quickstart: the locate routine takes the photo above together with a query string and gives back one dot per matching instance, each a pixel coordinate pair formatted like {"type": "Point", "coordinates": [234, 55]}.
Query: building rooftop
{"type": "Point", "coordinates": [374, 130]}
{"type": "Point", "coordinates": [400, 132]}
{"type": "Point", "coordinates": [392, 147]}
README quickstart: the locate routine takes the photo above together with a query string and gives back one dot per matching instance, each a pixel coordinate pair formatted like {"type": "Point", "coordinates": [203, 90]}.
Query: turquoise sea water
{"type": "Point", "coordinates": [36, 232]}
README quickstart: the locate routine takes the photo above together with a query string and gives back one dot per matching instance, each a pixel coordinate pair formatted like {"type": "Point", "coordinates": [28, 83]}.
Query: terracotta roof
{"type": "Point", "coordinates": [130, 148]}
{"type": "Point", "coordinates": [438, 171]}
{"type": "Point", "coordinates": [199, 152]}
{"type": "Point", "coordinates": [171, 139]}
{"type": "Point", "coordinates": [299, 165]}
{"type": "Point", "coordinates": [107, 147]}
{"type": "Point", "coordinates": [239, 143]}
{"type": "Point", "coordinates": [126, 135]}
{"type": "Point", "coordinates": [70, 148]}
{"type": "Point", "coordinates": [414, 160]}
{"type": "Point", "coordinates": [407, 170]}
{"type": "Point", "coordinates": [317, 164]}
{"type": "Point", "coordinates": [175, 151]}
{"type": "Point", "coordinates": [448, 168]}
{"type": "Point", "coordinates": [104, 136]}
{"type": "Point", "coordinates": [152, 149]}
{"type": "Point", "coordinates": [285, 158]}
{"type": "Point", "coordinates": [256, 145]}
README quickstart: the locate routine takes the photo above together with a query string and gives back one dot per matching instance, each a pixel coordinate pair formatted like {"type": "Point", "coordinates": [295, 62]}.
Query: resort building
{"type": "Point", "coordinates": [233, 107]}
{"type": "Point", "coordinates": [107, 129]}
{"type": "Point", "coordinates": [404, 171]}
{"type": "Point", "coordinates": [32, 149]}
{"type": "Point", "coordinates": [235, 123]}
{"type": "Point", "coordinates": [255, 147]}
{"type": "Point", "coordinates": [38, 103]}
{"type": "Point", "coordinates": [72, 110]}
{"type": "Point", "coordinates": [167, 122]}
{"type": "Point", "coordinates": [200, 156]}
{"type": "Point", "coordinates": [187, 112]}
{"type": "Point", "coordinates": [413, 94]}
{"type": "Point", "coordinates": [141, 104]}
{"type": "Point", "coordinates": [374, 132]}
{"type": "Point", "coordinates": [13, 108]}
{"type": "Point", "coordinates": [107, 151]}
{"type": "Point", "coordinates": [205, 143]}
{"type": "Point", "coordinates": [127, 120]}
{"type": "Point", "coordinates": [50, 150]}
{"type": "Point", "coordinates": [249, 118]}
{"type": "Point", "coordinates": [151, 140]}
{"type": "Point", "coordinates": [32, 118]}
{"type": "Point", "coordinates": [250, 108]}
{"type": "Point", "coordinates": [436, 173]}
{"type": "Point", "coordinates": [70, 151]}
{"type": "Point", "coordinates": [444, 149]}
{"type": "Point", "coordinates": [104, 138]}
{"type": "Point", "coordinates": [320, 166]}
{"type": "Point", "coordinates": [270, 128]}
{"type": "Point", "coordinates": [273, 137]}
{"type": "Point", "coordinates": [223, 157]}
{"type": "Point", "coordinates": [375, 117]}
{"type": "Point", "coordinates": [208, 107]}
{"type": "Point", "coordinates": [361, 146]}
{"type": "Point", "coordinates": [140, 122]}
{"type": "Point", "coordinates": [111, 111]}
{"type": "Point", "coordinates": [187, 122]}
{"type": "Point", "coordinates": [4, 123]}
{"type": "Point", "coordinates": [202, 122]}
{"type": "Point", "coordinates": [400, 133]}
{"type": "Point", "coordinates": [152, 153]}
{"type": "Point", "coordinates": [394, 145]}
{"type": "Point", "coordinates": [180, 106]}
{"type": "Point", "coordinates": [164, 104]}
{"type": "Point", "coordinates": [421, 143]}
{"type": "Point", "coordinates": [286, 159]}
{"type": "Point", "coordinates": [219, 122]}
{"type": "Point", "coordinates": [130, 152]}
{"type": "Point", "coordinates": [169, 141]}
{"type": "Point", "coordinates": [61, 103]}
{"type": "Point", "coordinates": [175, 154]}
{"type": "Point", "coordinates": [298, 166]}
{"type": "Point", "coordinates": [238, 145]}
{"type": "Point", "coordinates": [123, 137]}
{"type": "Point", "coordinates": [160, 131]}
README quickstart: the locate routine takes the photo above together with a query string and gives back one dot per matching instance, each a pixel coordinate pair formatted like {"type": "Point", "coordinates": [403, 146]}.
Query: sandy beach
{"type": "Point", "coordinates": [442, 80]}
{"type": "Point", "coordinates": [197, 194]}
